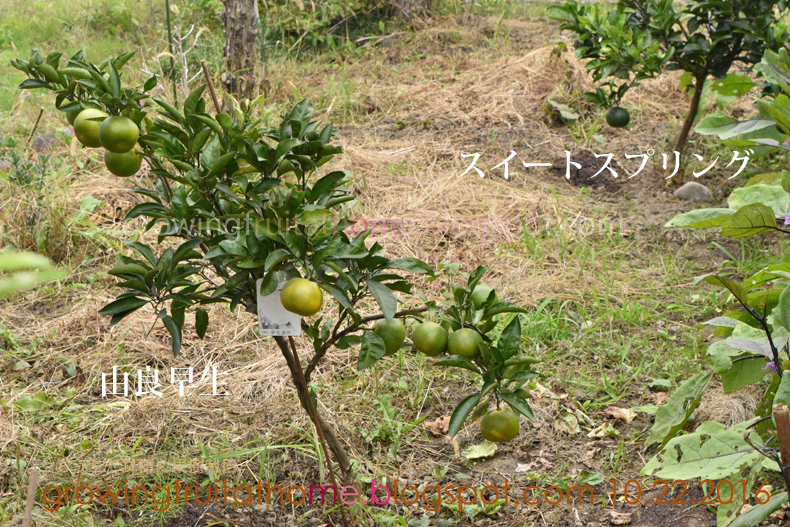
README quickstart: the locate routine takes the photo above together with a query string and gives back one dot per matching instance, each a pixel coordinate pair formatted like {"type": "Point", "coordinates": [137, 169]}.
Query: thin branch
{"type": "Point", "coordinates": [351, 329]}
{"type": "Point", "coordinates": [767, 332]}
{"type": "Point", "coordinates": [213, 93]}
{"type": "Point", "coordinates": [33, 131]}
{"type": "Point", "coordinates": [739, 359]}
{"type": "Point", "coordinates": [320, 354]}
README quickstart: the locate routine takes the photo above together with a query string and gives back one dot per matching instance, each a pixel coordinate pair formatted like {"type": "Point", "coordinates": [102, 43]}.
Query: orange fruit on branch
{"type": "Point", "coordinates": [301, 296]}
{"type": "Point", "coordinates": [499, 425]}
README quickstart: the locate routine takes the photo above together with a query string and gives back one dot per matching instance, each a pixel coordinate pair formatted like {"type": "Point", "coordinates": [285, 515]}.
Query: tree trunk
{"type": "Point", "coordinates": [680, 146]}
{"type": "Point", "coordinates": [332, 441]}
{"type": "Point", "coordinates": [241, 30]}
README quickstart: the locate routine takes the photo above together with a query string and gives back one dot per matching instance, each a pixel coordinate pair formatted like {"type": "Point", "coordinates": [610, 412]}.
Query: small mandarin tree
{"type": "Point", "coordinates": [241, 208]}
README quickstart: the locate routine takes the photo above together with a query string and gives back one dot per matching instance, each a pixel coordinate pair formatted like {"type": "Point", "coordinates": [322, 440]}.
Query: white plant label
{"type": "Point", "coordinates": [273, 319]}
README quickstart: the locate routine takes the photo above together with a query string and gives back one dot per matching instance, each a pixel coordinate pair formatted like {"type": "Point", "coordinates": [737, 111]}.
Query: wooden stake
{"type": "Point", "coordinates": [782, 417]}
{"type": "Point", "coordinates": [213, 93]}
{"type": "Point", "coordinates": [31, 496]}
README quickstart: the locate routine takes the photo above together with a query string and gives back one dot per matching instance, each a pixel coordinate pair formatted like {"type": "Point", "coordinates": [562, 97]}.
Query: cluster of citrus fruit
{"type": "Point", "coordinates": [304, 297]}
{"type": "Point", "coordinates": [499, 425]}
{"type": "Point", "coordinates": [117, 134]}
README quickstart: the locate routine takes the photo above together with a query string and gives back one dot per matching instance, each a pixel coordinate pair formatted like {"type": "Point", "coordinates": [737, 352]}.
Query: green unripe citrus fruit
{"type": "Point", "coordinates": [124, 165]}
{"type": "Point", "coordinates": [118, 134]}
{"type": "Point", "coordinates": [499, 425]}
{"type": "Point", "coordinates": [392, 333]}
{"type": "Point", "coordinates": [87, 131]}
{"type": "Point", "coordinates": [618, 117]}
{"type": "Point", "coordinates": [464, 343]}
{"type": "Point", "coordinates": [430, 338]}
{"type": "Point", "coordinates": [301, 296]}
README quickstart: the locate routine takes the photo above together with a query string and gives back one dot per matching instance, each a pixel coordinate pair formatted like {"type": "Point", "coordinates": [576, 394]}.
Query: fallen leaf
{"type": "Point", "coordinates": [590, 454]}
{"type": "Point", "coordinates": [439, 426]}
{"type": "Point", "coordinates": [584, 418]}
{"type": "Point", "coordinates": [623, 414]}
{"type": "Point", "coordinates": [525, 467]}
{"type": "Point", "coordinates": [559, 390]}
{"type": "Point", "coordinates": [542, 391]}
{"type": "Point", "coordinates": [602, 431]}
{"type": "Point", "coordinates": [570, 424]}
{"type": "Point", "coordinates": [619, 518]}
{"type": "Point", "coordinates": [481, 451]}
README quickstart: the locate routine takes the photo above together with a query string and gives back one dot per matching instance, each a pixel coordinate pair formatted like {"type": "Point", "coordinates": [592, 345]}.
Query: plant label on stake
{"type": "Point", "coordinates": [273, 319]}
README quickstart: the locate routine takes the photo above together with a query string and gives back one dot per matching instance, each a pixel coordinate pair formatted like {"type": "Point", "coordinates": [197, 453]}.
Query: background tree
{"type": "Point", "coordinates": [638, 39]}
{"type": "Point", "coordinates": [241, 30]}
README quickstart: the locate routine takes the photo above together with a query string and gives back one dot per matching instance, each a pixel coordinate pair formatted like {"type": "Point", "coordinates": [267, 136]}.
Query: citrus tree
{"type": "Point", "coordinates": [638, 39]}
{"type": "Point", "coordinates": [241, 208]}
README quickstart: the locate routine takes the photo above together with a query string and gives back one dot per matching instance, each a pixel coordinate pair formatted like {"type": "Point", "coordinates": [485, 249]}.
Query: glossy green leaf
{"type": "Point", "coordinates": [726, 127]}
{"type": "Point", "coordinates": [175, 333]}
{"type": "Point", "coordinates": [276, 257]}
{"type": "Point", "coordinates": [385, 298]}
{"type": "Point", "coordinates": [460, 414]}
{"type": "Point", "coordinates": [510, 340]}
{"type": "Point", "coordinates": [458, 362]}
{"type": "Point", "coordinates": [115, 81]}
{"type": "Point", "coordinates": [518, 403]}
{"type": "Point", "coordinates": [123, 305]}
{"type": "Point", "coordinates": [201, 322]}
{"type": "Point", "coordinates": [371, 350]}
